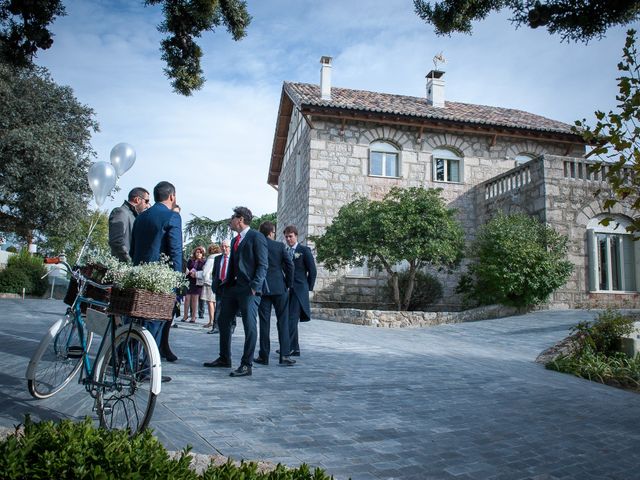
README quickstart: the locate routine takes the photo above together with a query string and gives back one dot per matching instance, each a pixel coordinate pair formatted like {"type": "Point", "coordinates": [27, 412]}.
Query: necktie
{"type": "Point", "coordinates": [290, 252]}
{"type": "Point", "coordinates": [237, 242]}
{"type": "Point", "coordinates": [223, 269]}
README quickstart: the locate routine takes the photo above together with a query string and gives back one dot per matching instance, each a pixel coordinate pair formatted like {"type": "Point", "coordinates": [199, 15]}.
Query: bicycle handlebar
{"type": "Point", "coordinates": [75, 273]}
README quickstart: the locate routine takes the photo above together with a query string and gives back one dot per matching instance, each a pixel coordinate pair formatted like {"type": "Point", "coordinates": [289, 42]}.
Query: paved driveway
{"type": "Point", "coordinates": [454, 401]}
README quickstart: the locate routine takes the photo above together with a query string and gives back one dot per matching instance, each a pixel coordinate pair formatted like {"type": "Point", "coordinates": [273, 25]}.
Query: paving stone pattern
{"type": "Point", "coordinates": [463, 401]}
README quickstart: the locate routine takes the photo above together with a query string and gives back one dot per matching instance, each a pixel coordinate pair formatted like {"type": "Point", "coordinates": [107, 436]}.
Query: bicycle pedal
{"type": "Point", "coordinates": [75, 352]}
{"type": "Point", "coordinates": [107, 410]}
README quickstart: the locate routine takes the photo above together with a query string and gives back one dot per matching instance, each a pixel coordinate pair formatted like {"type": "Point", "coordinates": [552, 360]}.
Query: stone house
{"type": "Point", "coordinates": [331, 144]}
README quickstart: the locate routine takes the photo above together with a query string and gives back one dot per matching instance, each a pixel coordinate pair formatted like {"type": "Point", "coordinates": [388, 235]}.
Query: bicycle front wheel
{"type": "Point", "coordinates": [125, 379]}
{"type": "Point", "coordinates": [58, 357]}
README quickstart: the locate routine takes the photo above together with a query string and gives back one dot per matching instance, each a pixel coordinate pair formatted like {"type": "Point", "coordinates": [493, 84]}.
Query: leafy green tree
{"type": "Point", "coordinates": [45, 154]}
{"type": "Point", "coordinates": [71, 242]}
{"type": "Point", "coordinates": [203, 230]}
{"type": "Point", "coordinates": [24, 29]}
{"type": "Point", "coordinates": [616, 138]}
{"type": "Point", "coordinates": [518, 261]}
{"type": "Point", "coordinates": [411, 225]}
{"type": "Point", "coordinates": [572, 20]}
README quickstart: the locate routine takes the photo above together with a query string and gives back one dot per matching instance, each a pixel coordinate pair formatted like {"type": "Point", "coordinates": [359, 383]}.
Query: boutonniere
{"type": "Point", "coordinates": [297, 255]}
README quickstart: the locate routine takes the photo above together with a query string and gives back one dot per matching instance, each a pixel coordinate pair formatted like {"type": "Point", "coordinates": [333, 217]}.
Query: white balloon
{"type": "Point", "coordinates": [102, 179]}
{"type": "Point", "coordinates": [123, 156]}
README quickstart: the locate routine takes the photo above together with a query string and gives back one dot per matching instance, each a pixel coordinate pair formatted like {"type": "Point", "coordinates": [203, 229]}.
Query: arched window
{"type": "Point", "coordinates": [447, 166]}
{"type": "Point", "coordinates": [524, 157]}
{"type": "Point", "coordinates": [612, 255]}
{"type": "Point", "coordinates": [383, 160]}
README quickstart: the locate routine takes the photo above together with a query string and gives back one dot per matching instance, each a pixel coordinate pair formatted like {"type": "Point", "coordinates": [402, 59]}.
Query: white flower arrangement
{"type": "Point", "coordinates": [99, 256]}
{"type": "Point", "coordinates": [297, 255]}
{"type": "Point", "coordinates": [156, 277]}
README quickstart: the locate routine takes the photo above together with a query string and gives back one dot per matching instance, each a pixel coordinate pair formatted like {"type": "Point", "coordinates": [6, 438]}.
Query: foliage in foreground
{"type": "Point", "coordinates": [518, 261]}
{"type": "Point", "coordinates": [572, 20]}
{"type": "Point", "coordinates": [81, 451]}
{"type": "Point", "coordinates": [596, 355]}
{"type": "Point", "coordinates": [24, 30]}
{"type": "Point", "coordinates": [616, 139]}
{"type": "Point", "coordinates": [412, 225]}
{"type": "Point", "coordinates": [24, 270]}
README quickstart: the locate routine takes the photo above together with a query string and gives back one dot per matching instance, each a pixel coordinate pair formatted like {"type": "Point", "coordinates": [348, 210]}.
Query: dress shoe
{"type": "Point", "coordinates": [217, 363]}
{"type": "Point", "coordinates": [241, 371]}
{"type": "Point", "coordinates": [213, 330]}
{"type": "Point", "coordinates": [261, 361]}
{"type": "Point", "coordinates": [145, 378]}
{"type": "Point", "coordinates": [287, 362]}
{"type": "Point", "coordinates": [170, 357]}
{"type": "Point", "coordinates": [295, 353]}
{"type": "Point", "coordinates": [165, 379]}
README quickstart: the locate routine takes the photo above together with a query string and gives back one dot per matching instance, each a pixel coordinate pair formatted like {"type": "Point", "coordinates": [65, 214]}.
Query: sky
{"type": "Point", "coordinates": [215, 146]}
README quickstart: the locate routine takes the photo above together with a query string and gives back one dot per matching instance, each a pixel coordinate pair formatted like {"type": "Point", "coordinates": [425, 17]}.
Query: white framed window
{"type": "Point", "coordinates": [612, 256]}
{"type": "Point", "coordinates": [384, 160]}
{"type": "Point", "coordinates": [524, 157]}
{"type": "Point", "coordinates": [447, 166]}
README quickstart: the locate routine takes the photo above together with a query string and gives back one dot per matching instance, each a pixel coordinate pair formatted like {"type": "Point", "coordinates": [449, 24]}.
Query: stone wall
{"type": "Point", "coordinates": [336, 169]}
{"type": "Point", "coordinates": [395, 319]}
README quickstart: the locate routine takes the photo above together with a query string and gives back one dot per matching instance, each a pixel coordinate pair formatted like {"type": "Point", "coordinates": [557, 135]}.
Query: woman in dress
{"type": "Point", "coordinates": [207, 294]}
{"type": "Point", "coordinates": [194, 274]}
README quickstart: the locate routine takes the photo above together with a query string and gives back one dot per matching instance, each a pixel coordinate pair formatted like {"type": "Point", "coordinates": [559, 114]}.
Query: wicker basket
{"type": "Point", "coordinates": [142, 303]}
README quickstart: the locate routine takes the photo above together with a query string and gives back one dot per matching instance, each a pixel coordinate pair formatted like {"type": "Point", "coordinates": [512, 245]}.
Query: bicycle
{"type": "Point", "coordinates": [124, 377]}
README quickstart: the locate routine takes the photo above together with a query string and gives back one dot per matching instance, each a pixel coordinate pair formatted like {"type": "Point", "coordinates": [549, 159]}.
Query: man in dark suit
{"type": "Point", "coordinates": [279, 280]}
{"type": "Point", "coordinates": [158, 230]}
{"type": "Point", "coordinates": [242, 287]}
{"type": "Point", "coordinates": [304, 278]}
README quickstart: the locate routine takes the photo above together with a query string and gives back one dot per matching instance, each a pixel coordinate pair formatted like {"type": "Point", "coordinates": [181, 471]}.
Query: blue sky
{"type": "Point", "coordinates": [215, 146]}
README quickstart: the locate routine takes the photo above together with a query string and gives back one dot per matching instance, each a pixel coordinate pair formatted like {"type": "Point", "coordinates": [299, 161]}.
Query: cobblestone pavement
{"type": "Point", "coordinates": [462, 401]}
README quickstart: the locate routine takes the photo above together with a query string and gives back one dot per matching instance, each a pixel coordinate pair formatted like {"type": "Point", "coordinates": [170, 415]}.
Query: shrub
{"type": "Point", "coordinates": [603, 335]}
{"type": "Point", "coordinates": [597, 357]}
{"type": "Point", "coordinates": [24, 271]}
{"type": "Point", "coordinates": [81, 451]}
{"type": "Point", "coordinates": [518, 261]}
{"type": "Point", "coordinates": [427, 290]}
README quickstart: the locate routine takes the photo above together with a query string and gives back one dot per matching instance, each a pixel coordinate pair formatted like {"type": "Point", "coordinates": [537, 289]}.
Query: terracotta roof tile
{"type": "Point", "coordinates": [360, 100]}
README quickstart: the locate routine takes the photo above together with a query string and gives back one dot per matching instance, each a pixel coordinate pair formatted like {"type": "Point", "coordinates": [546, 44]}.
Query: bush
{"type": "Point", "coordinates": [597, 357]}
{"type": "Point", "coordinates": [427, 290]}
{"type": "Point", "coordinates": [24, 271]}
{"type": "Point", "coordinates": [81, 451]}
{"type": "Point", "coordinates": [603, 335]}
{"type": "Point", "coordinates": [518, 262]}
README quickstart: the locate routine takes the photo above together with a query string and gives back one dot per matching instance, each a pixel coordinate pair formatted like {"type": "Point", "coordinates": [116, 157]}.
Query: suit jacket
{"type": "Point", "coordinates": [248, 265]}
{"type": "Point", "coordinates": [157, 230]}
{"type": "Point", "coordinates": [120, 228]}
{"type": "Point", "coordinates": [280, 270]}
{"type": "Point", "coordinates": [304, 278]}
{"type": "Point", "coordinates": [217, 266]}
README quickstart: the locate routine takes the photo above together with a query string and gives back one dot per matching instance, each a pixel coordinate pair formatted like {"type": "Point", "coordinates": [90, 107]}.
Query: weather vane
{"type": "Point", "coordinates": [439, 58]}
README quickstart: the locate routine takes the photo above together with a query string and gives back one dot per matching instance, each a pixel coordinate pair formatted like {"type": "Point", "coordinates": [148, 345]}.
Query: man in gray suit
{"type": "Point", "coordinates": [121, 223]}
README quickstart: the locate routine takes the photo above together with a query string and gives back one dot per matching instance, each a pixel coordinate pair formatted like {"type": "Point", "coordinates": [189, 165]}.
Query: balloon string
{"type": "Point", "coordinates": [93, 225]}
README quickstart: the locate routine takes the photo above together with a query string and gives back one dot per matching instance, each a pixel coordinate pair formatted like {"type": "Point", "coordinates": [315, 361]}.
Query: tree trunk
{"type": "Point", "coordinates": [409, 291]}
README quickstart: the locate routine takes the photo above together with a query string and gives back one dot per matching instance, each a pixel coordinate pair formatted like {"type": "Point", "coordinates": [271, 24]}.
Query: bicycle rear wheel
{"type": "Point", "coordinates": [125, 376]}
{"type": "Point", "coordinates": [58, 357]}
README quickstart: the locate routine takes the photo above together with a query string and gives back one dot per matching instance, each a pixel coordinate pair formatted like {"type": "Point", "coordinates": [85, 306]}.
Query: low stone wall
{"type": "Point", "coordinates": [394, 319]}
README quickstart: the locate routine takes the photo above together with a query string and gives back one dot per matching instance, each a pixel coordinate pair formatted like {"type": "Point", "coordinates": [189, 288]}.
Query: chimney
{"type": "Point", "coordinates": [325, 78]}
{"type": "Point", "coordinates": [435, 88]}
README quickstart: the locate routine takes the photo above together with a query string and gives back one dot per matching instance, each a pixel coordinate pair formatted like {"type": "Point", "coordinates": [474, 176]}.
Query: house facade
{"type": "Point", "coordinates": [333, 144]}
